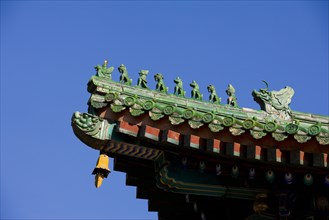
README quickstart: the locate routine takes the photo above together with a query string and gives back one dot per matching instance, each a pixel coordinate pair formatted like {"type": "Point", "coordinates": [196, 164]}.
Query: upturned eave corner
{"type": "Point", "coordinates": [182, 146]}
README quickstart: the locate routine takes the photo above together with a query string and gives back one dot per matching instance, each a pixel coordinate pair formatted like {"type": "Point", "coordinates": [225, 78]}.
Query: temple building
{"type": "Point", "coordinates": [194, 157]}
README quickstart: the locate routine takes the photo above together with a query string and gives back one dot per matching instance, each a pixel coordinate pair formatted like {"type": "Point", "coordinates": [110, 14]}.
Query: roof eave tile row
{"type": "Point", "coordinates": [117, 96]}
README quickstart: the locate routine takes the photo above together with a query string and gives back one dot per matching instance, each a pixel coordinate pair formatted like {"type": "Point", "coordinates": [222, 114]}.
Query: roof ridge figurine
{"type": "Point", "coordinates": [275, 102]}
{"type": "Point", "coordinates": [103, 71]}
{"type": "Point", "coordinates": [213, 97]}
{"type": "Point", "coordinates": [231, 100]}
{"type": "Point", "coordinates": [179, 87]}
{"type": "Point", "coordinates": [142, 82]}
{"type": "Point", "coordinates": [195, 93]}
{"type": "Point", "coordinates": [160, 86]}
{"type": "Point", "coordinates": [124, 78]}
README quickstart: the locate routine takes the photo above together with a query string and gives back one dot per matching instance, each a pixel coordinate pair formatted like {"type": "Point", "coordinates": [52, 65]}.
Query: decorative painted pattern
{"type": "Point", "coordinates": [169, 184]}
{"type": "Point", "coordinates": [171, 178]}
{"type": "Point", "coordinates": [226, 149]}
{"type": "Point", "coordinates": [120, 148]}
{"type": "Point", "coordinates": [97, 133]}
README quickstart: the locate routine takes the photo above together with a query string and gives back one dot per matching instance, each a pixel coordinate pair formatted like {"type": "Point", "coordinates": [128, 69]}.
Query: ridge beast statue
{"type": "Point", "coordinates": [160, 86]}
{"type": "Point", "coordinates": [142, 81]}
{"type": "Point", "coordinates": [231, 100]}
{"type": "Point", "coordinates": [179, 87]}
{"type": "Point", "coordinates": [103, 71]}
{"type": "Point", "coordinates": [213, 97]}
{"type": "Point", "coordinates": [275, 102]}
{"type": "Point", "coordinates": [195, 93]}
{"type": "Point", "coordinates": [124, 78]}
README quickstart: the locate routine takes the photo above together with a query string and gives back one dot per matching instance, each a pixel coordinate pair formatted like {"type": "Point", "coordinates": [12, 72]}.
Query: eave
{"type": "Point", "coordinates": [109, 96]}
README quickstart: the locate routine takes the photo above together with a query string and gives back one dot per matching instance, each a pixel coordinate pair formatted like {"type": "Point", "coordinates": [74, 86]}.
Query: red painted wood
{"type": "Point", "coordinates": [152, 133]}
{"type": "Point", "coordinates": [236, 150]}
{"type": "Point", "coordinates": [216, 145]}
{"type": "Point", "coordinates": [173, 137]}
{"type": "Point", "coordinates": [125, 127]}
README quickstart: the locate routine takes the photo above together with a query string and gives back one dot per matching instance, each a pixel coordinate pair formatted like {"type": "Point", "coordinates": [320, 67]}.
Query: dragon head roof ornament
{"type": "Point", "coordinates": [275, 103]}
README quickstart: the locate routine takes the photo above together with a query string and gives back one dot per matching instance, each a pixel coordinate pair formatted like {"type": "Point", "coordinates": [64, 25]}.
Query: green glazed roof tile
{"type": "Point", "coordinates": [139, 100]}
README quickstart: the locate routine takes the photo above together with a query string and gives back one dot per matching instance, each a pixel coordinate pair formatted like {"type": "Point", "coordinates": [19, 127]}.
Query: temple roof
{"type": "Point", "coordinates": [186, 150]}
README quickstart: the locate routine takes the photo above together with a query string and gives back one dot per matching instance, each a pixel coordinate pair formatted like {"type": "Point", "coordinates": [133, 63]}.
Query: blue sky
{"type": "Point", "coordinates": [49, 49]}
